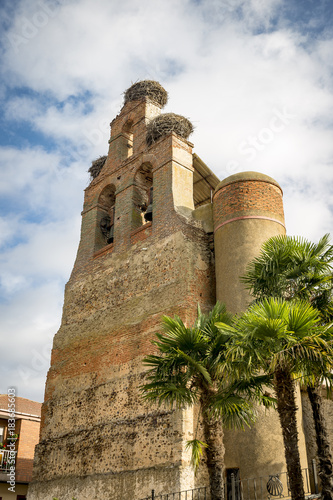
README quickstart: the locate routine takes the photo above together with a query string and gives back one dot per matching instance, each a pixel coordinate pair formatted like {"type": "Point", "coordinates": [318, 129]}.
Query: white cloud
{"type": "Point", "coordinates": [308, 211]}
{"type": "Point", "coordinates": [28, 324]}
{"type": "Point", "coordinates": [47, 253]}
{"type": "Point", "coordinates": [229, 66]}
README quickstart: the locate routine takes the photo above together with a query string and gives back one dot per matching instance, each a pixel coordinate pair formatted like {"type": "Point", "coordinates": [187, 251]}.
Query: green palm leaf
{"type": "Point", "coordinates": [196, 446]}
{"type": "Point", "coordinates": [234, 410]}
{"type": "Point", "coordinates": [198, 366]}
{"type": "Point", "coordinates": [191, 366]}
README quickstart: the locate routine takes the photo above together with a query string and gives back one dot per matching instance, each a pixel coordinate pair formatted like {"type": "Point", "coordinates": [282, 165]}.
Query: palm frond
{"type": "Point", "coordinates": [289, 267]}
{"type": "Point", "coordinates": [302, 318]}
{"type": "Point", "coordinates": [196, 448]}
{"type": "Point", "coordinates": [192, 365]}
{"type": "Point", "coordinates": [199, 366]}
{"type": "Point", "coordinates": [273, 333]}
{"type": "Point", "coordinates": [169, 392]}
{"type": "Point", "coordinates": [234, 411]}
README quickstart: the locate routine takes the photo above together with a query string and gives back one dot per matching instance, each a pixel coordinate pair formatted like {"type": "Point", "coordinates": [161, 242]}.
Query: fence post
{"type": "Point", "coordinates": [233, 487]}
{"type": "Point", "coordinates": [152, 494]}
{"type": "Point", "coordinates": [315, 476]}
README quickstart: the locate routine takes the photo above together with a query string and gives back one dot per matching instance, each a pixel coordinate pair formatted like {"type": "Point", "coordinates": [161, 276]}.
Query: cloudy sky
{"type": "Point", "coordinates": [253, 76]}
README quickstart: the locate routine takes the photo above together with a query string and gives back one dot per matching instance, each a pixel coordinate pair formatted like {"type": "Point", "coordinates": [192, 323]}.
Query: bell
{"type": "Point", "coordinates": [149, 213]}
{"type": "Point", "coordinates": [111, 233]}
{"type": "Point", "coordinates": [105, 226]}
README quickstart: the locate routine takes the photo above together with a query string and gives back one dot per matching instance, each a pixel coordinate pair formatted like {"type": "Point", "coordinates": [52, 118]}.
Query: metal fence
{"type": "Point", "coordinates": [195, 494]}
{"type": "Point", "coordinates": [268, 487]}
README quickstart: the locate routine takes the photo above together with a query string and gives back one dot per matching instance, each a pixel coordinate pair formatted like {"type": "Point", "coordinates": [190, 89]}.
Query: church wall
{"type": "Point", "coordinates": [96, 429]}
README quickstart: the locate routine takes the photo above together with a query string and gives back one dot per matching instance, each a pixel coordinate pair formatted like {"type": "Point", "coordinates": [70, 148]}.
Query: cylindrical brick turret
{"type": "Point", "coordinates": [248, 210]}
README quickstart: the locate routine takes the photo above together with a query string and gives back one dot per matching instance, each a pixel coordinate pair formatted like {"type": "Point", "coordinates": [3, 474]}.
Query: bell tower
{"type": "Point", "coordinates": [160, 234]}
{"type": "Point", "coordinates": [141, 255]}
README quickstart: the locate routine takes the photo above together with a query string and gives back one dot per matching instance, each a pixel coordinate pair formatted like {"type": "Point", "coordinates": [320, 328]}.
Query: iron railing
{"type": "Point", "coordinates": [268, 487]}
{"type": "Point", "coordinates": [194, 494]}
{"type": "Point", "coordinates": [6, 459]}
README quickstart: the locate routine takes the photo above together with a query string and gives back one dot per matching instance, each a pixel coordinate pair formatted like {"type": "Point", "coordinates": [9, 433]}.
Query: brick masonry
{"type": "Point", "coordinates": [246, 198]}
{"type": "Point", "coordinates": [95, 425]}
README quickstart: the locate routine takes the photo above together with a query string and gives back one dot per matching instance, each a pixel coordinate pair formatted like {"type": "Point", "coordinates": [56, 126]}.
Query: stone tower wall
{"type": "Point", "coordinates": [99, 440]}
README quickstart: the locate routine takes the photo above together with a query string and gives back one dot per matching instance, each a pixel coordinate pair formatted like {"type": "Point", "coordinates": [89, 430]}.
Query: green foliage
{"type": "Point", "coordinates": [292, 267]}
{"type": "Point", "coordinates": [274, 333]}
{"type": "Point", "coordinates": [234, 410]}
{"type": "Point", "coordinates": [196, 448]}
{"type": "Point", "coordinates": [285, 340]}
{"type": "Point", "coordinates": [191, 367]}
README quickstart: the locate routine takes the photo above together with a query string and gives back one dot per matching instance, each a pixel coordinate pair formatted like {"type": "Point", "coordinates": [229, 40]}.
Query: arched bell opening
{"type": "Point", "coordinates": [105, 217]}
{"type": "Point", "coordinates": [143, 196]}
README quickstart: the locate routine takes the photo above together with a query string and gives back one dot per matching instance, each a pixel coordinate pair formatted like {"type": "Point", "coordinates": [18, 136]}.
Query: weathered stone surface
{"type": "Point", "coordinates": [97, 433]}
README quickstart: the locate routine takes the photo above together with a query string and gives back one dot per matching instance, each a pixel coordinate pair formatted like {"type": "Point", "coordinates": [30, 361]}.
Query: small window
{"type": "Point", "coordinates": [2, 434]}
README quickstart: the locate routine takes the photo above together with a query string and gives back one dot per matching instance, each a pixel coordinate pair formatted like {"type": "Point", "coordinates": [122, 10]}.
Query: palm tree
{"type": "Point", "coordinates": [283, 339]}
{"type": "Point", "coordinates": [188, 370]}
{"type": "Point", "coordinates": [291, 267]}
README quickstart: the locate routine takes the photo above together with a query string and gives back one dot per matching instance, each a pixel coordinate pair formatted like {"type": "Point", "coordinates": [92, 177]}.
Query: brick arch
{"type": "Point", "coordinates": [105, 217]}
{"type": "Point", "coordinates": [128, 125]}
{"type": "Point", "coordinates": [130, 117]}
{"type": "Point", "coordinates": [108, 181]}
{"type": "Point", "coordinates": [151, 159]}
{"type": "Point", "coordinates": [107, 196]}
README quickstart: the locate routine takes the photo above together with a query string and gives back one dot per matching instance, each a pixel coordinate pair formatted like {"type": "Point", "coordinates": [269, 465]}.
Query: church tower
{"type": "Point", "coordinates": [141, 255]}
{"type": "Point", "coordinates": [146, 250]}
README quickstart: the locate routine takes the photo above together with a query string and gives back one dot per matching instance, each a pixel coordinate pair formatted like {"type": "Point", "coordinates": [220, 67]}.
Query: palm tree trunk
{"type": "Point", "coordinates": [286, 407]}
{"type": "Point", "coordinates": [213, 433]}
{"type": "Point", "coordinates": [323, 447]}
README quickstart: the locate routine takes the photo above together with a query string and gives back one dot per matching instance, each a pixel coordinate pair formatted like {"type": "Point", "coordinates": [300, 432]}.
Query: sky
{"type": "Point", "coordinates": [255, 77]}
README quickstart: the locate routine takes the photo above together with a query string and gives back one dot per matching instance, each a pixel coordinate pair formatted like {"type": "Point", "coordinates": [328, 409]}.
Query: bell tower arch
{"type": "Point", "coordinates": [104, 234]}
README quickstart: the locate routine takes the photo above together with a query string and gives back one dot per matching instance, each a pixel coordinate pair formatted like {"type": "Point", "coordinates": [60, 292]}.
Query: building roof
{"type": "Point", "coordinates": [22, 406]}
{"type": "Point", "coordinates": [247, 176]}
{"type": "Point", "coordinates": [204, 182]}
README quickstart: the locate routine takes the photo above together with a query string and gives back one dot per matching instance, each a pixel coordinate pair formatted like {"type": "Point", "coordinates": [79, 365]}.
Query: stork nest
{"type": "Point", "coordinates": [147, 88]}
{"type": "Point", "coordinates": [96, 166]}
{"type": "Point", "coordinates": [166, 123]}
